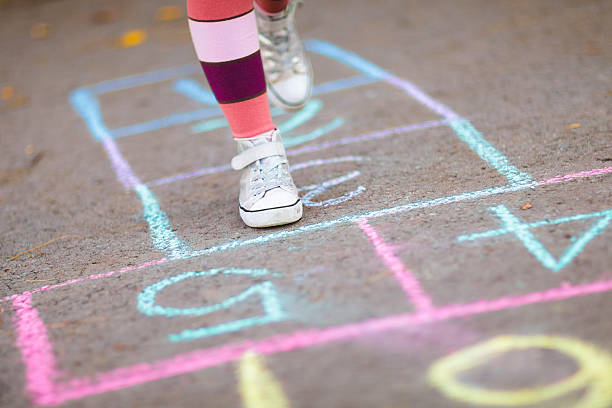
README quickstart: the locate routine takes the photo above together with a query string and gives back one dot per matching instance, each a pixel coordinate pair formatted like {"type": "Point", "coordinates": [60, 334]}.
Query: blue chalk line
{"type": "Point", "coordinates": [164, 239]}
{"type": "Point", "coordinates": [159, 223]}
{"type": "Point", "coordinates": [521, 230]}
{"type": "Point", "coordinates": [462, 127]}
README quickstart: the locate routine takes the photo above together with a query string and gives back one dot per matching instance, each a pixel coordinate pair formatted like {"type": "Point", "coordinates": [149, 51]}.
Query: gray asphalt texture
{"type": "Point", "coordinates": [533, 76]}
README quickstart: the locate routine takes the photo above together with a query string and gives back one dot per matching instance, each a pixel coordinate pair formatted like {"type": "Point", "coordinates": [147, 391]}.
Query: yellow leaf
{"type": "Point", "coordinates": [169, 13]}
{"type": "Point", "coordinates": [573, 126]}
{"type": "Point", "coordinates": [40, 31]}
{"type": "Point", "coordinates": [7, 92]}
{"type": "Point", "coordinates": [132, 38]}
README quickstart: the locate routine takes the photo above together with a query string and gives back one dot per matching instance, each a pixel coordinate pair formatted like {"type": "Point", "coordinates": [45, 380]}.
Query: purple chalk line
{"type": "Point", "coordinates": [421, 96]}
{"type": "Point", "coordinates": [308, 149]}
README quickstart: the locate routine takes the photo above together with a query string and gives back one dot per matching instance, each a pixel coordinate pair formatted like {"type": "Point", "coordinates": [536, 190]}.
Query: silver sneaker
{"type": "Point", "coordinates": [268, 196]}
{"type": "Point", "coordinates": [288, 70]}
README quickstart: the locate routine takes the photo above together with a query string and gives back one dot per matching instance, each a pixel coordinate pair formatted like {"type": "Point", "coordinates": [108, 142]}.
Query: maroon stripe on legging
{"type": "Point", "coordinates": [238, 80]}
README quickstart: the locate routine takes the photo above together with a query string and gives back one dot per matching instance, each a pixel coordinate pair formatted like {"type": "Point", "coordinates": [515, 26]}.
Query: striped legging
{"type": "Point", "coordinates": [224, 35]}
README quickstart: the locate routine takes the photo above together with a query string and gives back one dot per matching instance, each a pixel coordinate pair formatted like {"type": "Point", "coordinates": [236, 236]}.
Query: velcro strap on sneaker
{"type": "Point", "coordinates": [253, 154]}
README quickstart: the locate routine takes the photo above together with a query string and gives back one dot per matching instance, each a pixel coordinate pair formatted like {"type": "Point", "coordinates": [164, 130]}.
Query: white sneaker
{"type": "Point", "coordinates": [288, 70]}
{"type": "Point", "coordinates": [268, 196]}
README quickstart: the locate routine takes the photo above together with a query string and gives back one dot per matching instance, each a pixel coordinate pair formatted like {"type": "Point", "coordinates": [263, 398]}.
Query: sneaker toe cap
{"type": "Point", "coordinates": [294, 90]}
{"type": "Point", "coordinates": [274, 198]}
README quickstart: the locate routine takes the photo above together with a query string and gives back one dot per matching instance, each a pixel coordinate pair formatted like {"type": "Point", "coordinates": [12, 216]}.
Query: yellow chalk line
{"type": "Point", "coordinates": [257, 385]}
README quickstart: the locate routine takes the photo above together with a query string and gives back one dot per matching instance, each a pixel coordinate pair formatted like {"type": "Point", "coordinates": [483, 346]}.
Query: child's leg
{"type": "Point", "coordinates": [224, 34]}
{"type": "Point", "coordinates": [272, 6]}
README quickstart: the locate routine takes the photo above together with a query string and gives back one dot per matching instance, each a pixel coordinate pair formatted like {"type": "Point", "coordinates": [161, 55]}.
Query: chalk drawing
{"type": "Point", "coordinates": [218, 123]}
{"type": "Point", "coordinates": [36, 351]}
{"type": "Point", "coordinates": [167, 121]}
{"type": "Point", "coordinates": [306, 149]}
{"type": "Point", "coordinates": [588, 173]}
{"type": "Point", "coordinates": [257, 385]}
{"type": "Point", "coordinates": [89, 109]}
{"type": "Point", "coordinates": [192, 89]}
{"type": "Point", "coordinates": [408, 282]}
{"type": "Point", "coordinates": [147, 78]}
{"type": "Point", "coordinates": [43, 384]}
{"type": "Point", "coordinates": [164, 239]}
{"type": "Point", "coordinates": [473, 195]}
{"type": "Point", "coordinates": [594, 368]}
{"type": "Point", "coordinates": [462, 127]}
{"type": "Point", "coordinates": [285, 128]}
{"type": "Point", "coordinates": [473, 138]}
{"type": "Point", "coordinates": [302, 116]}
{"type": "Point", "coordinates": [317, 189]}
{"type": "Point", "coordinates": [269, 300]}
{"type": "Point", "coordinates": [512, 224]}
{"type": "Point", "coordinates": [315, 134]}
{"type": "Point", "coordinates": [342, 84]}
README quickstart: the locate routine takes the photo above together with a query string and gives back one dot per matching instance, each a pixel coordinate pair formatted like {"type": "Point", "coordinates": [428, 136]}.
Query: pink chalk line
{"type": "Point", "coordinates": [38, 357]}
{"type": "Point", "coordinates": [35, 347]}
{"type": "Point", "coordinates": [406, 279]}
{"type": "Point", "coordinates": [589, 173]}
{"type": "Point", "coordinates": [41, 374]}
{"type": "Point", "coordinates": [558, 179]}
{"type": "Point", "coordinates": [96, 276]}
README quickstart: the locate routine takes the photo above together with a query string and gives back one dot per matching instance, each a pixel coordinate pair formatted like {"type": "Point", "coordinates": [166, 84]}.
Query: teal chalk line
{"type": "Point", "coordinates": [192, 89]}
{"type": "Point", "coordinates": [346, 57]}
{"type": "Point", "coordinates": [531, 225]}
{"type": "Point", "coordinates": [148, 306]}
{"type": "Point", "coordinates": [315, 134]}
{"type": "Point", "coordinates": [521, 230]}
{"type": "Point", "coordinates": [209, 125]}
{"type": "Point", "coordinates": [147, 78]}
{"type": "Point", "coordinates": [162, 236]}
{"type": "Point", "coordinates": [218, 123]}
{"type": "Point", "coordinates": [299, 118]}
{"type": "Point", "coordinates": [474, 139]}
{"type": "Point", "coordinates": [347, 219]}
{"type": "Point", "coordinates": [462, 127]}
{"type": "Point", "coordinates": [164, 239]}
{"type": "Point", "coordinates": [302, 116]}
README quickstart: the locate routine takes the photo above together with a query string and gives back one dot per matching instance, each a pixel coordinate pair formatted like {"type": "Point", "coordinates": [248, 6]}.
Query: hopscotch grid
{"type": "Point", "coordinates": [167, 241]}
{"type": "Point", "coordinates": [309, 149]}
{"type": "Point", "coordinates": [40, 362]}
{"type": "Point", "coordinates": [179, 118]}
{"type": "Point", "coordinates": [473, 195]}
{"type": "Point", "coordinates": [40, 367]}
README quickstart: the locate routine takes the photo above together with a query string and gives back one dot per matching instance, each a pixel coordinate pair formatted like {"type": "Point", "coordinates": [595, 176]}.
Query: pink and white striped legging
{"type": "Point", "coordinates": [224, 35]}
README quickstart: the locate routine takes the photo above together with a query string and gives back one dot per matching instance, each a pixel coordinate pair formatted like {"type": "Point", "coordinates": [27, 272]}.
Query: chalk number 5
{"type": "Point", "coordinates": [265, 290]}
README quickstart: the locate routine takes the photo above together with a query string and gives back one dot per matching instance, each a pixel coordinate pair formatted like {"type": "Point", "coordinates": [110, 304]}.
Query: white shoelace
{"type": "Point", "coordinates": [269, 173]}
{"type": "Point", "coordinates": [280, 46]}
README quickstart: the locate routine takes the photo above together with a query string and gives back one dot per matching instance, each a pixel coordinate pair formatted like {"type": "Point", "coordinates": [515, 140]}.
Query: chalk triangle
{"type": "Point", "coordinates": [571, 251]}
{"type": "Point", "coordinates": [523, 232]}
{"type": "Point", "coordinates": [578, 245]}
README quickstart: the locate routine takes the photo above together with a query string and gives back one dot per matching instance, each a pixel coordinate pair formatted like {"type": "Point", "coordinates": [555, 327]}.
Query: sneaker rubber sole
{"type": "Point", "coordinates": [272, 217]}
